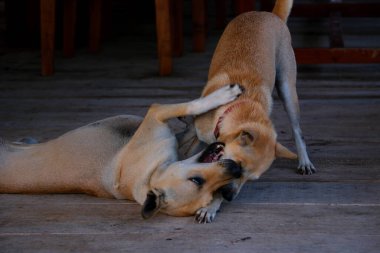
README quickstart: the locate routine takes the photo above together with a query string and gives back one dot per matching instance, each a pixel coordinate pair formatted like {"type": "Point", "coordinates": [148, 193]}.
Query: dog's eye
{"type": "Point", "coordinates": [197, 180]}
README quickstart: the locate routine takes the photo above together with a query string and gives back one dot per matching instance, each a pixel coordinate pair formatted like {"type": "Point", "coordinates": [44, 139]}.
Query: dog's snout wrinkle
{"type": "Point", "coordinates": [232, 168]}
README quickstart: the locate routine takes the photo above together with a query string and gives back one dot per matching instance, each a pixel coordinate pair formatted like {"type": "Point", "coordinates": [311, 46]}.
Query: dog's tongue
{"type": "Point", "coordinates": [212, 153]}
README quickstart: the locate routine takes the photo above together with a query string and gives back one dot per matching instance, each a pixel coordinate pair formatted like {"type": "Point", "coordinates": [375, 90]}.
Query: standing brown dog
{"type": "Point", "coordinates": [255, 51]}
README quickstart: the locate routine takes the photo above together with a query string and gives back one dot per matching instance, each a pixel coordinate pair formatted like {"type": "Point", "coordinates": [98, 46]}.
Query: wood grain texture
{"type": "Point", "coordinates": [96, 225]}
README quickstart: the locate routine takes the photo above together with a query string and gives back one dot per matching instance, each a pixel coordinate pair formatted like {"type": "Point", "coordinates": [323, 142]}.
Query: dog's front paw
{"type": "Point", "coordinates": [306, 168]}
{"type": "Point", "coordinates": [205, 215]}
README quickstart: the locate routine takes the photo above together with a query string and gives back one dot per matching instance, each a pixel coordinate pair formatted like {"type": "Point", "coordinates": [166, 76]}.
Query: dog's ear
{"type": "Point", "coordinates": [245, 137]}
{"type": "Point", "coordinates": [151, 205]}
{"type": "Point", "coordinates": [283, 152]}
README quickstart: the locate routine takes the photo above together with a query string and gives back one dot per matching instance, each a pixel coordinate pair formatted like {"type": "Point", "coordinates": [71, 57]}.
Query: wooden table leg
{"type": "Point", "coordinates": [176, 18]}
{"type": "Point", "coordinates": [164, 46]}
{"type": "Point", "coordinates": [199, 25]}
{"type": "Point", "coordinates": [69, 22]}
{"type": "Point", "coordinates": [47, 36]}
{"type": "Point", "coordinates": [95, 25]}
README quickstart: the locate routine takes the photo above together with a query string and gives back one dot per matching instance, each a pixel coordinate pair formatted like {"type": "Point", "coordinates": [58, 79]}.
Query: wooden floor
{"type": "Point", "coordinates": [335, 210]}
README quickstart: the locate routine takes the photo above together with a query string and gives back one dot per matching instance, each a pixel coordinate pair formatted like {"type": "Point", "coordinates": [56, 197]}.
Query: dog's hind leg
{"type": "Point", "coordinates": [286, 88]}
{"type": "Point", "coordinates": [198, 106]}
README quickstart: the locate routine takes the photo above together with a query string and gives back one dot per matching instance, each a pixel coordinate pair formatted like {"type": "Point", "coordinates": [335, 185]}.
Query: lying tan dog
{"type": "Point", "coordinates": [125, 157]}
{"type": "Point", "coordinates": [255, 51]}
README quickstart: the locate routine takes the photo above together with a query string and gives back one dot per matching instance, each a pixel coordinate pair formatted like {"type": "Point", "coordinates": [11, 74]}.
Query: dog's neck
{"type": "Point", "coordinates": [224, 114]}
{"type": "Point", "coordinates": [254, 111]}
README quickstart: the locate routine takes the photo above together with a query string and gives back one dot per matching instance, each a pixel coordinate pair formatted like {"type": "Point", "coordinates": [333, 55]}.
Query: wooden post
{"type": "Point", "coordinates": [95, 25]}
{"type": "Point", "coordinates": [47, 36]}
{"type": "Point", "coordinates": [163, 36]}
{"type": "Point", "coordinates": [69, 22]}
{"type": "Point", "coordinates": [176, 18]}
{"type": "Point", "coordinates": [199, 25]}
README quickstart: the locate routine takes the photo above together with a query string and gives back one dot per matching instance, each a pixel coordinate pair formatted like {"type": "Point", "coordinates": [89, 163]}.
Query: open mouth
{"type": "Point", "coordinates": [212, 153]}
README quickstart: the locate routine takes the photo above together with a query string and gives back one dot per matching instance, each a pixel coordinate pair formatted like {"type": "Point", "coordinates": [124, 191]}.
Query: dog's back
{"type": "Point", "coordinates": [66, 163]}
{"type": "Point", "coordinates": [258, 35]}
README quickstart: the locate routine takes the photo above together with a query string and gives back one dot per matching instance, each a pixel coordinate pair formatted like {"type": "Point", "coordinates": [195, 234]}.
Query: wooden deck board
{"type": "Point", "coordinates": [97, 225]}
{"type": "Point", "coordinates": [335, 210]}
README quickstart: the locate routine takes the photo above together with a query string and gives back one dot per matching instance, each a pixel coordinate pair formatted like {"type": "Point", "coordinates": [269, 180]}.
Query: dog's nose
{"type": "Point", "coordinates": [232, 168]}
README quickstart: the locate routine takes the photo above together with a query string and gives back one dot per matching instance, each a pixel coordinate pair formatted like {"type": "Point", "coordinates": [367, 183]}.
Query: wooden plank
{"type": "Point", "coordinates": [174, 241]}
{"type": "Point", "coordinates": [189, 92]}
{"type": "Point", "coordinates": [128, 92]}
{"type": "Point", "coordinates": [337, 55]}
{"type": "Point", "coordinates": [343, 169]}
{"type": "Point", "coordinates": [47, 36]}
{"type": "Point", "coordinates": [163, 36]}
{"type": "Point", "coordinates": [100, 227]}
{"type": "Point", "coordinates": [359, 124]}
{"type": "Point", "coordinates": [313, 10]}
{"type": "Point", "coordinates": [74, 81]}
{"type": "Point", "coordinates": [333, 85]}
{"type": "Point", "coordinates": [339, 193]}
{"type": "Point", "coordinates": [114, 218]}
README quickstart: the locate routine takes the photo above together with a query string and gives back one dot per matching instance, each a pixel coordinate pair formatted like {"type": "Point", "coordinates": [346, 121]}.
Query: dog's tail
{"type": "Point", "coordinates": [282, 9]}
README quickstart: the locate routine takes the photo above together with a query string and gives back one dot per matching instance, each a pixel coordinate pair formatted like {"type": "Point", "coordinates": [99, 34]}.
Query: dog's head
{"type": "Point", "coordinates": [186, 186]}
{"type": "Point", "coordinates": [253, 145]}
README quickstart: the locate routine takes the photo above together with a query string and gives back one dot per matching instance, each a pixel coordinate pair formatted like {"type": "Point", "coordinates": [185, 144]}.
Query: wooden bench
{"type": "Point", "coordinates": [334, 10]}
